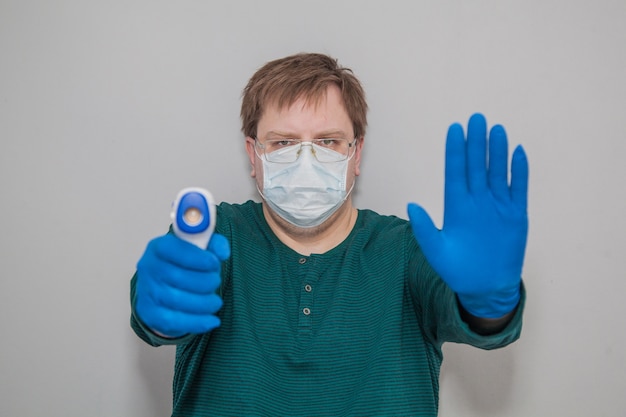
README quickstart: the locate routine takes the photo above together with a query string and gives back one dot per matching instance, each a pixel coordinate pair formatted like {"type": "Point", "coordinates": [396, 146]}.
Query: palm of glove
{"type": "Point", "coordinates": [479, 252]}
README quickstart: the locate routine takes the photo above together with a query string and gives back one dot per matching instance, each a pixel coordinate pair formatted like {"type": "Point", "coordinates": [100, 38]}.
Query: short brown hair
{"type": "Point", "coordinates": [285, 80]}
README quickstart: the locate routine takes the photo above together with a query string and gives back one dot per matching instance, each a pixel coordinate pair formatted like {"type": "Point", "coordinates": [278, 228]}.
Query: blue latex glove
{"type": "Point", "coordinates": [176, 284]}
{"type": "Point", "coordinates": [480, 250]}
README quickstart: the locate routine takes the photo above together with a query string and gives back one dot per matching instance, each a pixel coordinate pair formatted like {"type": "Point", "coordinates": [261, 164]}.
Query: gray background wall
{"type": "Point", "coordinates": [107, 109]}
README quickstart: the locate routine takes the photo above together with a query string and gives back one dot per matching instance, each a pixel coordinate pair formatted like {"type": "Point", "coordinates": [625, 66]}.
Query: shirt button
{"type": "Point", "coordinates": [302, 261]}
{"type": "Point", "coordinates": [307, 288]}
{"type": "Point", "coordinates": [306, 311]}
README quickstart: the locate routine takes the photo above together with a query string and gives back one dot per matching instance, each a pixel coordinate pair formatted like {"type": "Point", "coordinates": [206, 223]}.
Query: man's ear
{"type": "Point", "coordinates": [251, 155]}
{"type": "Point", "coordinates": [357, 156]}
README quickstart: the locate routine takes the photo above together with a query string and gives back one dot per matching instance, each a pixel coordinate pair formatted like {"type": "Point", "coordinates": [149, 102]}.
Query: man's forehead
{"type": "Point", "coordinates": [285, 100]}
{"type": "Point", "coordinates": [310, 115]}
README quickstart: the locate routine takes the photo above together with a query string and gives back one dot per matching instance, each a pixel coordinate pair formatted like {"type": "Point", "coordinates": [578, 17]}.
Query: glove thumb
{"type": "Point", "coordinates": [220, 246]}
{"type": "Point", "coordinates": [427, 235]}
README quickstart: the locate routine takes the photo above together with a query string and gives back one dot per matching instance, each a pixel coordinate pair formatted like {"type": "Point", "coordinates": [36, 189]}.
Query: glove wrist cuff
{"type": "Point", "coordinates": [491, 306]}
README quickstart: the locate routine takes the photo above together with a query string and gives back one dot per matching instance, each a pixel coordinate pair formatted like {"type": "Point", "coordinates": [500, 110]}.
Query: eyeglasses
{"type": "Point", "coordinates": [285, 151]}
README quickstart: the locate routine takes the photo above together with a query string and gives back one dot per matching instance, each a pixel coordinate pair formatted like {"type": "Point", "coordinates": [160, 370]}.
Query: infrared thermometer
{"type": "Point", "coordinates": [193, 216]}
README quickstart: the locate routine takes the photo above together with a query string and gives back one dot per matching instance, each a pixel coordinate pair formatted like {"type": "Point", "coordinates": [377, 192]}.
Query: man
{"type": "Point", "coordinates": [303, 305]}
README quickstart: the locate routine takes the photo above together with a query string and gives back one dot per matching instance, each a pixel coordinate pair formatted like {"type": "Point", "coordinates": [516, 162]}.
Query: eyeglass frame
{"type": "Point", "coordinates": [300, 143]}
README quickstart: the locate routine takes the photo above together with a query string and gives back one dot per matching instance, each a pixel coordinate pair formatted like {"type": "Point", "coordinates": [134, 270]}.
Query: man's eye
{"type": "Point", "coordinates": [280, 143]}
{"type": "Point", "coordinates": [326, 142]}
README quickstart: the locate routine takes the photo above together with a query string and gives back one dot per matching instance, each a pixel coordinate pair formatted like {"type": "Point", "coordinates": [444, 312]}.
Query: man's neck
{"type": "Point", "coordinates": [319, 239]}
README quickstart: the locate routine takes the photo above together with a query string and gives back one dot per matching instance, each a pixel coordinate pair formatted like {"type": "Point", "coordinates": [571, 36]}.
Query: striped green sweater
{"type": "Point", "coordinates": [356, 331]}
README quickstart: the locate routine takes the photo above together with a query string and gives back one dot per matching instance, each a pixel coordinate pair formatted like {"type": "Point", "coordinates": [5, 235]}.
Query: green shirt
{"type": "Point", "coordinates": [355, 331]}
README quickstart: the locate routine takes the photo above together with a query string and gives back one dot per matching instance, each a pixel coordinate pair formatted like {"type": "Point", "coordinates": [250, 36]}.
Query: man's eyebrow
{"type": "Point", "coordinates": [332, 134]}
{"type": "Point", "coordinates": [338, 133]}
{"type": "Point", "coordinates": [274, 133]}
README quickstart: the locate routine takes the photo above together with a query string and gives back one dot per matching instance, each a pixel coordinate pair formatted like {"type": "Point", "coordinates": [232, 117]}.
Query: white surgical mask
{"type": "Point", "coordinates": [305, 192]}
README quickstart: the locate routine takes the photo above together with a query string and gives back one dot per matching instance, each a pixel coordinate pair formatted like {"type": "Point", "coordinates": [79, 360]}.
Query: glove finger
{"type": "Point", "coordinates": [477, 153]}
{"type": "Point", "coordinates": [197, 304]}
{"type": "Point", "coordinates": [171, 249]}
{"type": "Point", "coordinates": [456, 165]}
{"type": "Point", "coordinates": [498, 162]}
{"type": "Point", "coordinates": [155, 271]}
{"type": "Point", "coordinates": [188, 280]}
{"type": "Point", "coordinates": [519, 178]}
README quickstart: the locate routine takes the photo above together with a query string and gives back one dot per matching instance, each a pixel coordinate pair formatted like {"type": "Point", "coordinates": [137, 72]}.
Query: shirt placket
{"type": "Point", "coordinates": [307, 282]}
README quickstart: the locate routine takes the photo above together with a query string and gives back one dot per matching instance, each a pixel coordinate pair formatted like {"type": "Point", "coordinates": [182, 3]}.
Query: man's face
{"type": "Point", "coordinates": [306, 122]}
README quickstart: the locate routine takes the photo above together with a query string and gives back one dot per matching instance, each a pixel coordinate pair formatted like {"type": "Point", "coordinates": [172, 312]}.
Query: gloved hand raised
{"type": "Point", "coordinates": [176, 284]}
{"type": "Point", "coordinates": [479, 252]}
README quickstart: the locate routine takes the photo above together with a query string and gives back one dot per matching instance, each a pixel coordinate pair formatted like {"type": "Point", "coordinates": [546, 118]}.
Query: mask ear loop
{"type": "Point", "coordinates": [260, 192]}
{"type": "Point", "coordinates": [349, 191]}
{"type": "Point", "coordinates": [353, 145]}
